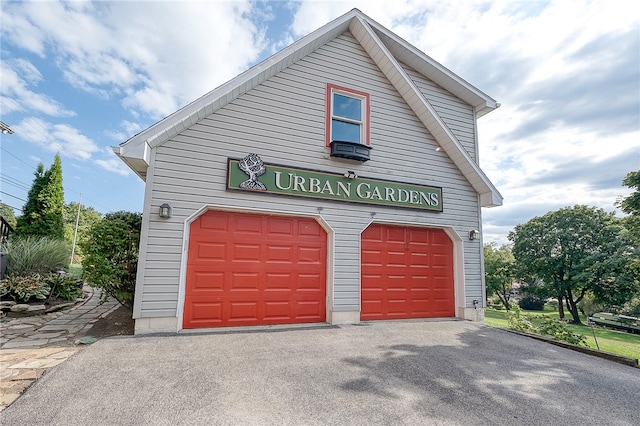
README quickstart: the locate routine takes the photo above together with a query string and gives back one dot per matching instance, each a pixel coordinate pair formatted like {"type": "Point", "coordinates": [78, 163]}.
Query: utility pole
{"type": "Point", "coordinates": [75, 233]}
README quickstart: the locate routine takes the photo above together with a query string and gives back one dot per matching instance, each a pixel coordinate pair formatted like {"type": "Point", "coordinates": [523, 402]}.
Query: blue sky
{"type": "Point", "coordinates": [77, 78]}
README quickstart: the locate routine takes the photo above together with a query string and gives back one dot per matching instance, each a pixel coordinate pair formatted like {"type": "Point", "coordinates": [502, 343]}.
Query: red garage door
{"type": "Point", "coordinates": [250, 269]}
{"type": "Point", "coordinates": [406, 273]}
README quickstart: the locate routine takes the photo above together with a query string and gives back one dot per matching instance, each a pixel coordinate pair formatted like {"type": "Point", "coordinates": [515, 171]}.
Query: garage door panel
{"type": "Point", "coordinates": [219, 223]}
{"type": "Point", "coordinates": [278, 253]}
{"type": "Point", "coordinates": [310, 281]}
{"type": "Point", "coordinates": [243, 311]}
{"type": "Point", "coordinates": [277, 281]}
{"type": "Point", "coordinates": [259, 270]}
{"type": "Point", "coordinates": [246, 224]}
{"type": "Point", "coordinates": [282, 226]}
{"type": "Point", "coordinates": [249, 252]}
{"type": "Point", "coordinates": [207, 314]}
{"type": "Point", "coordinates": [407, 272]}
{"type": "Point", "coordinates": [310, 255]}
{"type": "Point", "coordinates": [211, 250]}
{"type": "Point", "coordinates": [310, 228]}
{"type": "Point", "coordinates": [275, 311]}
{"type": "Point", "coordinates": [244, 281]}
{"type": "Point", "coordinates": [207, 281]}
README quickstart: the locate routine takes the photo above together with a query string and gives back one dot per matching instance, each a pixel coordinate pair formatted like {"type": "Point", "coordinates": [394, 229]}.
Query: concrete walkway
{"type": "Point", "coordinates": [31, 345]}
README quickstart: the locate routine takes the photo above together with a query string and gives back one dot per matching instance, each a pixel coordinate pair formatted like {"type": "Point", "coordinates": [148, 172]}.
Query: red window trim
{"type": "Point", "coordinates": [330, 88]}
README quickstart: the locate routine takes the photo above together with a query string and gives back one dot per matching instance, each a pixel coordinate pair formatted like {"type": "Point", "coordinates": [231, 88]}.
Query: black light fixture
{"type": "Point", "coordinates": [165, 211]}
{"type": "Point", "coordinates": [350, 175]}
{"type": "Point", "coordinates": [474, 234]}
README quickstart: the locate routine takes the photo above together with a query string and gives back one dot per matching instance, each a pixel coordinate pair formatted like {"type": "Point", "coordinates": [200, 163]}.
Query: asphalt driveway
{"type": "Point", "coordinates": [378, 373]}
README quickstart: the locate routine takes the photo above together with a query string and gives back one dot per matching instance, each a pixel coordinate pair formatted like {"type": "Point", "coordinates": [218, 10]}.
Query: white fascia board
{"type": "Point", "coordinates": [422, 108]}
{"type": "Point", "coordinates": [435, 71]}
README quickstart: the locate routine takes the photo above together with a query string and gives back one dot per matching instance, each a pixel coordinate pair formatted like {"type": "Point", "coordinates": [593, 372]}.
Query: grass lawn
{"type": "Point", "coordinates": [617, 342]}
{"type": "Point", "coordinates": [76, 269]}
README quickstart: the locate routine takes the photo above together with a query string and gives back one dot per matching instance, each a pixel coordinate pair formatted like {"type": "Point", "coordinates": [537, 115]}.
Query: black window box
{"type": "Point", "coordinates": [350, 150]}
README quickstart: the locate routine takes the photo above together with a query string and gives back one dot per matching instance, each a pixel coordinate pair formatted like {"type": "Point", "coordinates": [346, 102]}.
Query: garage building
{"type": "Point", "coordinates": [337, 181]}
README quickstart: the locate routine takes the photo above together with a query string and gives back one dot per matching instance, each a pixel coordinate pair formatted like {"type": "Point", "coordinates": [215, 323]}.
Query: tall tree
{"type": "Point", "coordinates": [573, 251]}
{"type": "Point", "coordinates": [499, 272]}
{"type": "Point", "coordinates": [42, 213]}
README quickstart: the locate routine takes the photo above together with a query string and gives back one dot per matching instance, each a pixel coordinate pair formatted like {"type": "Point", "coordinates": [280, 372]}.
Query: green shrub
{"type": "Point", "coordinates": [65, 286]}
{"type": "Point", "coordinates": [531, 303]}
{"type": "Point", "coordinates": [560, 331]}
{"type": "Point", "coordinates": [28, 255]}
{"type": "Point", "coordinates": [520, 321]}
{"type": "Point", "coordinates": [589, 306]}
{"type": "Point", "coordinates": [23, 289]}
{"type": "Point", "coordinates": [632, 307]}
{"type": "Point", "coordinates": [110, 259]}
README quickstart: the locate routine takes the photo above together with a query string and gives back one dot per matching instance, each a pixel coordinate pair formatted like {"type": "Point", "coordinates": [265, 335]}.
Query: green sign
{"type": "Point", "coordinates": [251, 174]}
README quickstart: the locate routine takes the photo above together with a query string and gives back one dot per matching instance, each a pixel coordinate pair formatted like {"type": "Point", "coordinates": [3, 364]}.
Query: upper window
{"type": "Point", "coordinates": [347, 115]}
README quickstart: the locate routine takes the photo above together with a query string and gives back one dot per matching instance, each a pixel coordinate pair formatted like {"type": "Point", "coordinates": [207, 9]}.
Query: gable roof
{"type": "Point", "coordinates": [385, 48]}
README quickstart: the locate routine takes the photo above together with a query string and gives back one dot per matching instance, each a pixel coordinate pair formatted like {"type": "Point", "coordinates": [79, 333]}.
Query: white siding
{"type": "Point", "coordinates": [282, 120]}
{"type": "Point", "coordinates": [457, 114]}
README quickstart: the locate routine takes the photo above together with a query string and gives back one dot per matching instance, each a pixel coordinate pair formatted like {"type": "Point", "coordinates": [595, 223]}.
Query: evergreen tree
{"type": "Point", "coordinates": [42, 214]}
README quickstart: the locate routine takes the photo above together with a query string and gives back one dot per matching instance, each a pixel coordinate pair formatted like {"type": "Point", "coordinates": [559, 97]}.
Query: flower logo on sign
{"type": "Point", "coordinates": [253, 166]}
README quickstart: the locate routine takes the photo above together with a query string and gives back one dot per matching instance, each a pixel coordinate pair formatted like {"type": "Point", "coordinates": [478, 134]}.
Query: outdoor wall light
{"type": "Point", "coordinates": [438, 148]}
{"type": "Point", "coordinates": [165, 211]}
{"type": "Point", "coordinates": [350, 175]}
{"type": "Point", "coordinates": [474, 234]}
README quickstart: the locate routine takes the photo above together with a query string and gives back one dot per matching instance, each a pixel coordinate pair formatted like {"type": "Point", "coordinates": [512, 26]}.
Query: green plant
{"type": "Point", "coordinates": [24, 288]}
{"type": "Point", "coordinates": [29, 255]}
{"type": "Point", "coordinates": [520, 321]}
{"type": "Point", "coordinates": [531, 303]}
{"type": "Point", "coordinates": [560, 331]}
{"type": "Point", "coordinates": [65, 286]}
{"type": "Point", "coordinates": [42, 213]}
{"type": "Point", "coordinates": [110, 257]}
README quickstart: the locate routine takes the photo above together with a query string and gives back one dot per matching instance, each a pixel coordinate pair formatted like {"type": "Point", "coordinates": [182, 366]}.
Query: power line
{"type": "Point", "coordinates": [18, 158]}
{"type": "Point", "coordinates": [9, 205]}
{"type": "Point", "coordinates": [13, 181]}
{"type": "Point", "coordinates": [12, 196]}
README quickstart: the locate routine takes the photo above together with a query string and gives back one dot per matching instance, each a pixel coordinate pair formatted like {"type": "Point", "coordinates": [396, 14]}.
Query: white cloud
{"type": "Point", "coordinates": [113, 163]}
{"type": "Point", "coordinates": [156, 57]}
{"type": "Point", "coordinates": [17, 77]}
{"type": "Point", "coordinates": [61, 138]}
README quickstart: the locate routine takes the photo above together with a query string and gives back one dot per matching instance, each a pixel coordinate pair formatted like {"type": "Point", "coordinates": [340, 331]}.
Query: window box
{"type": "Point", "coordinates": [350, 150]}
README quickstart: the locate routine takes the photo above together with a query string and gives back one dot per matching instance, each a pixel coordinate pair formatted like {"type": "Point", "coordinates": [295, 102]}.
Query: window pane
{"type": "Point", "coordinates": [344, 106]}
{"type": "Point", "coordinates": [345, 132]}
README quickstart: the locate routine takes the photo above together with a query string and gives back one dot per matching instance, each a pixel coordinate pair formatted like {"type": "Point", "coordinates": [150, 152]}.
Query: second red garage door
{"type": "Point", "coordinates": [406, 273]}
{"type": "Point", "coordinates": [251, 269]}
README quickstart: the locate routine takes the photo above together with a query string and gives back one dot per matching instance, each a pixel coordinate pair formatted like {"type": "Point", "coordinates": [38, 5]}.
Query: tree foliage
{"type": "Point", "coordinates": [8, 214]}
{"type": "Point", "coordinates": [88, 216]}
{"type": "Point", "coordinates": [42, 213]}
{"type": "Point", "coordinates": [573, 251]}
{"type": "Point", "coordinates": [499, 272]}
{"type": "Point", "coordinates": [631, 204]}
{"type": "Point", "coordinates": [111, 255]}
